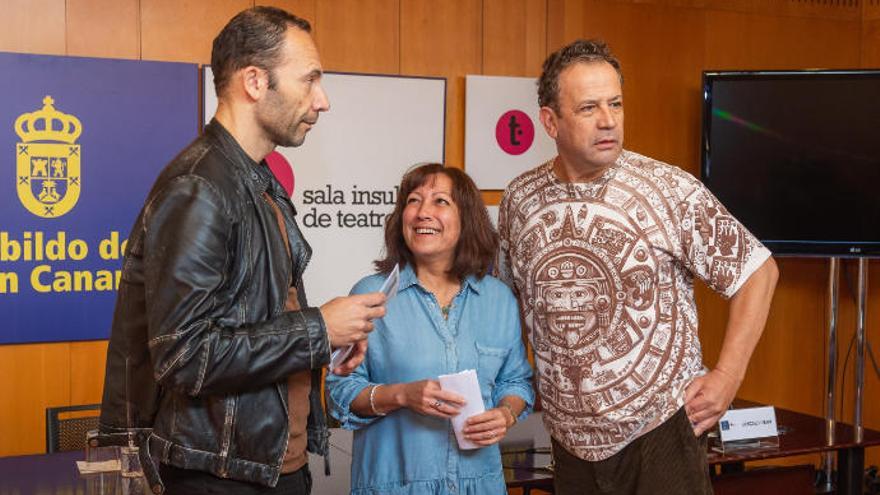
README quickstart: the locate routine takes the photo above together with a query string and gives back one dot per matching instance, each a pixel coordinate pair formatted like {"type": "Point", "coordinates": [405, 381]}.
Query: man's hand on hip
{"type": "Point", "coordinates": [707, 398]}
{"type": "Point", "coordinates": [349, 319]}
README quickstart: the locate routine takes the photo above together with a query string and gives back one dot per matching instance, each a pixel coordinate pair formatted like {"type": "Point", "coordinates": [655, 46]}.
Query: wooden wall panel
{"type": "Point", "coordinates": [514, 37]}
{"type": "Point", "coordinates": [359, 36]}
{"type": "Point", "coordinates": [87, 362]}
{"type": "Point", "coordinates": [300, 8]}
{"type": "Point", "coordinates": [104, 28]}
{"type": "Point", "coordinates": [514, 44]}
{"type": "Point", "coordinates": [443, 39]}
{"type": "Point", "coordinates": [565, 22]}
{"type": "Point", "coordinates": [33, 26]}
{"type": "Point", "coordinates": [870, 55]}
{"type": "Point", "coordinates": [823, 9]}
{"type": "Point", "coordinates": [40, 376]}
{"type": "Point", "coordinates": [182, 30]}
{"type": "Point", "coordinates": [34, 377]}
{"type": "Point", "coordinates": [661, 83]}
{"type": "Point", "coordinates": [748, 41]}
{"type": "Point", "coordinates": [870, 10]}
{"type": "Point", "coordinates": [792, 339]}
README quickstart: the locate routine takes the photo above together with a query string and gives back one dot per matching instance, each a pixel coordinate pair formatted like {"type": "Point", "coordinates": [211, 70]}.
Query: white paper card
{"type": "Point", "coordinates": [107, 466]}
{"type": "Point", "coordinates": [465, 384]}
{"type": "Point", "coordinates": [391, 284]}
{"type": "Point", "coordinates": [748, 423]}
{"type": "Point", "coordinates": [339, 356]}
{"type": "Point", "coordinates": [389, 288]}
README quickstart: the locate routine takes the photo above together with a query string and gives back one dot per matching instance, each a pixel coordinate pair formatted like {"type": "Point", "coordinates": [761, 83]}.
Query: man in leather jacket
{"type": "Point", "coordinates": [215, 357]}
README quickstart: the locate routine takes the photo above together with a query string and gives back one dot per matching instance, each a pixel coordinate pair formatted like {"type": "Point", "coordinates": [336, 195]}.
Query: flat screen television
{"type": "Point", "coordinates": [795, 156]}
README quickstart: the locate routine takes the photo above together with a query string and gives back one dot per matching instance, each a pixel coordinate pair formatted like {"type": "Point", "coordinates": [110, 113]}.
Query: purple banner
{"type": "Point", "coordinates": [81, 141]}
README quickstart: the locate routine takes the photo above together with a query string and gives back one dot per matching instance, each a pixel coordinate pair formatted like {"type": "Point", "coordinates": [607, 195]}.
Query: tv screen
{"type": "Point", "coordinates": [795, 156]}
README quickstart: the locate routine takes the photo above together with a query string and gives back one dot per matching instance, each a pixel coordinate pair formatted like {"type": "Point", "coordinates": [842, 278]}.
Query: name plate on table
{"type": "Point", "coordinates": [748, 424]}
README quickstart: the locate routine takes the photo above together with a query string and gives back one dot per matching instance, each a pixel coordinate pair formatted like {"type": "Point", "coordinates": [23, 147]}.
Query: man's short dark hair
{"type": "Point", "coordinates": [477, 241]}
{"type": "Point", "coordinates": [580, 51]}
{"type": "Point", "coordinates": [253, 37]}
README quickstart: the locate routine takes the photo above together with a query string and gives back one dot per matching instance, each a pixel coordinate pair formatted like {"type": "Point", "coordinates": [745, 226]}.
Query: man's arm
{"type": "Point", "coordinates": [707, 397]}
{"type": "Point", "coordinates": [187, 230]}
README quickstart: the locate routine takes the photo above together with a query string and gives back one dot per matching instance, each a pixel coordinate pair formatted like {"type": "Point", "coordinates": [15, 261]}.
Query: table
{"type": "Point", "coordinates": [805, 434]}
{"type": "Point", "coordinates": [525, 456]}
{"type": "Point", "coordinates": [57, 474]}
{"type": "Point", "coordinates": [528, 469]}
{"type": "Point", "coordinates": [525, 467]}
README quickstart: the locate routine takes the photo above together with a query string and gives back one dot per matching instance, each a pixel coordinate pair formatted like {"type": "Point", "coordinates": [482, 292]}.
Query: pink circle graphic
{"type": "Point", "coordinates": [514, 132]}
{"type": "Point", "coordinates": [282, 170]}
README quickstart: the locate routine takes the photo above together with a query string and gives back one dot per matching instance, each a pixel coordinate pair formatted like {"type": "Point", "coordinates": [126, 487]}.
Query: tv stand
{"type": "Point", "coordinates": [850, 467]}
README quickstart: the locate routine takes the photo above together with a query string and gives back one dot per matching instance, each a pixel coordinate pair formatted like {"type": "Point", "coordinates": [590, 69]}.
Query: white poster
{"type": "Point", "coordinates": [493, 214]}
{"type": "Point", "coordinates": [503, 136]}
{"type": "Point", "coordinates": [346, 174]}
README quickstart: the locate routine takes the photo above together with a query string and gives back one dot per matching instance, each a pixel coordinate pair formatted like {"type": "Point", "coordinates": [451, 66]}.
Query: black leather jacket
{"type": "Point", "coordinates": [201, 344]}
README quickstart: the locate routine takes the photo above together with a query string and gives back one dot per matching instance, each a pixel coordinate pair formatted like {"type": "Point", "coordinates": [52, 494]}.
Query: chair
{"type": "Point", "coordinates": [66, 431]}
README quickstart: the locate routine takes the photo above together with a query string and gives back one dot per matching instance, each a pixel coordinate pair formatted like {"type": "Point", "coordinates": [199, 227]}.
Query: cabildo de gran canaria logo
{"type": "Point", "coordinates": [48, 161]}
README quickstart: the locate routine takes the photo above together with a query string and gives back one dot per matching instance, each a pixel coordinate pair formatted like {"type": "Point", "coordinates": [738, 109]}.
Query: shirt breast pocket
{"type": "Point", "coordinates": [489, 362]}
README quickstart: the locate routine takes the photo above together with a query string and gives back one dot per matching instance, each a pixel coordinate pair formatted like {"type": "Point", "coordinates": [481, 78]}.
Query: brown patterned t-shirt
{"type": "Point", "coordinates": [604, 274]}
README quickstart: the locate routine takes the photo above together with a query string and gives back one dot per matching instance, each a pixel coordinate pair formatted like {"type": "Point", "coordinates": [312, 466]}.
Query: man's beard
{"type": "Point", "coordinates": [277, 124]}
{"type": "Point", "coordinates": [285, 136]}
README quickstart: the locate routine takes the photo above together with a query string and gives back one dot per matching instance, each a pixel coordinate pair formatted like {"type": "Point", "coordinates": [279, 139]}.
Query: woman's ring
{"type": "Point", "coordinates": [436, 404]}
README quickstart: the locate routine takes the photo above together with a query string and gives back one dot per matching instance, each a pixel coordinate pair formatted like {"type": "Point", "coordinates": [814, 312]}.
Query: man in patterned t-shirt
{"type": "Point", "coordinates": [601, 246]}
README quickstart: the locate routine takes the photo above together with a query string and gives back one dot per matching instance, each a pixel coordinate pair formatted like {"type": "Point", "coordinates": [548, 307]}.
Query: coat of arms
{"type": "Point", "coordinates": [48, 161]}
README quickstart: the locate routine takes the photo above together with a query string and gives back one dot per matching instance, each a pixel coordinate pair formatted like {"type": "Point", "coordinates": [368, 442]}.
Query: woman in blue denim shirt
{"type": "Point", "coordinates": [447, 316]}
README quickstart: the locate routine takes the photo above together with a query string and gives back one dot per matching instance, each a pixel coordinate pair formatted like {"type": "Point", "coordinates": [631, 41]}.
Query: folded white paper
{"type": "Point", "coordinates": [108, 466]}
{"type": "Point", "coordinates": [748, 423]}
{"type": "Point", "coordinates": [465, 384]}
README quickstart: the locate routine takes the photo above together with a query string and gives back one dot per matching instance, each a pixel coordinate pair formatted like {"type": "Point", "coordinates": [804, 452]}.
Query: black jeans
{"type": "Point", "coordinates": [668, 459]}
{"type": "Point", "coordinates": [188, 482]}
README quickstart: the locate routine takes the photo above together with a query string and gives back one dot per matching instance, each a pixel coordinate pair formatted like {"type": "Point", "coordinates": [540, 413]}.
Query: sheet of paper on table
{"type": "Point", "coordinates": [86, 467]}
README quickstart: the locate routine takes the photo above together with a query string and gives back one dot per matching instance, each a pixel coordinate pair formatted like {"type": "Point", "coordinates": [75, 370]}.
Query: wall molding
{"type": "Point", "coordinates": [870, 10]}
{"type": "Point", "coordinates": [845, 10]}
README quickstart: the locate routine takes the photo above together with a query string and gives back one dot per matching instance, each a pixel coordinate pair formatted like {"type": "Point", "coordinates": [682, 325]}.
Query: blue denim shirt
{"type": "Point", "coordinates": [405, 452]}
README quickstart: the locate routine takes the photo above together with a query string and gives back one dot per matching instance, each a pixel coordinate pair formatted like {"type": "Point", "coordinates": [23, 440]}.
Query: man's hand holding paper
{"type": "Point", "coordinates": [349, 355]}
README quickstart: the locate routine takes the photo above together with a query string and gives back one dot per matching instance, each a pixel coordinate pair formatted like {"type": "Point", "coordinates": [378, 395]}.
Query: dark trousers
{"type": "Point", "coordinates": [669, 460]}
{"type": "Point", "coordinates": [188, 482]}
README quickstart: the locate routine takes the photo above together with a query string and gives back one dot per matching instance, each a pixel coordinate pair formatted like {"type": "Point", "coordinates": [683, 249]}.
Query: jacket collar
{"type": "Point", "coordinates": [259, 173]}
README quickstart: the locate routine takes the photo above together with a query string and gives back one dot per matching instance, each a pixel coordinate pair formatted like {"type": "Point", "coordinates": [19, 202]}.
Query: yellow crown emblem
{"type": "Point", "coordinates": [47, 164]}
{"type": "Point", "coordinates": [48, 124]}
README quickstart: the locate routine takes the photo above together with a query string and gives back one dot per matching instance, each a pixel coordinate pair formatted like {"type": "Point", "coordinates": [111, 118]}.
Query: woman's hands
{"type": "Point", "coordinates": [489, 427]}
{"type": "Point", "coordinates": [426, 397]}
